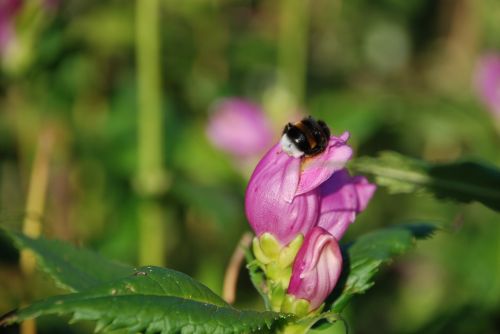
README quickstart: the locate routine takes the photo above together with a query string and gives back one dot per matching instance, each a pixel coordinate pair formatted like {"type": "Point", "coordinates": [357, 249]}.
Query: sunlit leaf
{"type": "Point", "coordinates": [150, 299]}
{"type": "Point", "coordinates": [465, 181]}
{"type": "Point", "coordinates": [152, 280]}
{"type": "Point", "coordinates": [148, 313]}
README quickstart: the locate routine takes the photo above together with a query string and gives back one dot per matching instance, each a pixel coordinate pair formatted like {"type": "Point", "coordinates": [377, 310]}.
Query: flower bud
{"type": "Point", "coordinates": [316, 269]}
{"type": "Point", "coordinates": [276, 262]}
{"type": "Point", "coordinates": [282, 197]}
{"type": "Point", "coordinates": [342, 198]}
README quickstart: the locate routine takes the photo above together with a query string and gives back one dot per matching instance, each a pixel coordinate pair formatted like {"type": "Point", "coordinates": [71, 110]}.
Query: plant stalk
{"type": "Point", "coordinates": [233, 269]}
{"type": "Point", "coordinates": [283, 101]}
{"type": "Point", "coordinates": [151, 176]}
{"type": "Point", "coordinates": [35, 205]}
{"type": "Point", "coordinates": [293, 46]}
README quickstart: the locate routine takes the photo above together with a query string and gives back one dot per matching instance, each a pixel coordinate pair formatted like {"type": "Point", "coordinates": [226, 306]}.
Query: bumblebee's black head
{"type": "Point", "coordinates": [307, 137]}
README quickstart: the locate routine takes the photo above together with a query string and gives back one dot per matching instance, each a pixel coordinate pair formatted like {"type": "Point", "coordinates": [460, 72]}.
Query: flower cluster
{"type": "Point", "coordinates": [299, 208]}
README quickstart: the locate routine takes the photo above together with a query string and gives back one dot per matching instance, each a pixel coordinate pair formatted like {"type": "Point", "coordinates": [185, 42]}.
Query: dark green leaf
{"type": "Point", "coordinates": [364, 257]}
{"type": "Point", "coordinates": [149, 314]}
{"type": "Point", "coordinates": [158, 281]}
{"type": "Point", "coordinates": [460, 181]}
{"type": "Point", "coordinates": [149, 299]}
{"type": "Point", "coordinates": [72, 268]}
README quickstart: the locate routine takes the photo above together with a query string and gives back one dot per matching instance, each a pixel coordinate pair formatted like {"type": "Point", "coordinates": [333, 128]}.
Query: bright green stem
{"type": "Point", "coordinates": [151, 179]}
{"type": "Point", "coordinates": [293, 45]}
{"type": "Point", "coordinates": [149, 88]}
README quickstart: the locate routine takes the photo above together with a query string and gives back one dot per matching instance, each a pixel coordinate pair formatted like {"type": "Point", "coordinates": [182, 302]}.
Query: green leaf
{"type": "Point", "coordinates": [76, 266]}
{"type": "Point", "coordinates": [159, 281]}
{"type": "Point", "coordinates": [72, 268]}
{"type": "Point", "coordinates": [465, 181]}
{"type": "Point", "coordinates": [149, 314]}
{"type": "Point", "coordinates": [364, 257]}
{"type": "Point", "coordinates": [149, 299]}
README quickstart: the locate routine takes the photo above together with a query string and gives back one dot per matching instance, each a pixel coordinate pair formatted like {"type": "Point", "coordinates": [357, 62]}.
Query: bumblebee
{"type": "Point", "coordinates": [305, 138]}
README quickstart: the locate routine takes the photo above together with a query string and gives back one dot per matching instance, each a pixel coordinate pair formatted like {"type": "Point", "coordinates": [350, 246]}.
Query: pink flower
{"type": "Point", "coordinates": [283, 197]}
{"type": "Point", "coordinates": [300, 200]}
{"type": "Point", "coordinates": [342, 198]}
{"type": "Point", "coordinates": [487, 82]}
{"type": "Point", "coordinates": [8, 11]}
{"type": "Point", "coordinates": [239, 128]}
{"type": "Point", "coordinates": [317, 268]}
{"type": "Point", "coordinates": [9, 8]}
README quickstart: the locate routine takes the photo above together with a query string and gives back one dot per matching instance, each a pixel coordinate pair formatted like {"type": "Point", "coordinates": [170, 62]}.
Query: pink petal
{"type": "Point", "coordinates": [284, 170]}
{"type": "Point", "coordinates": [270, 204]}
{"type": "Point", "coordinates": [319, 168]}
{"type": "Point", "coordinates": [342, 198]}
{"type": "Point", "coordinates": [364, 190]}
{"type": "Point", "coordinates": [316, 268]}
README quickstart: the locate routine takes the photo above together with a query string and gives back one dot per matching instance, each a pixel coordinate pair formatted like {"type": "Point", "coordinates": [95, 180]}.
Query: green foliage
{"type": "Point", "coordinates": [149, 299]}
{"type": "Point", "coordinates": [386, 71]}
{"type": "Point", "coordinates": [158, 281]}
{"type": "Point", "coordinates": [365, 256]}
{"type": "Point", "coordinates": [154, 299]}
{"type": "Point", "coordinates": [71, 268]}
{"type": "Point", "coordinates": [149, 313]}
{"type": "Point", "coordinates": [465, 181]}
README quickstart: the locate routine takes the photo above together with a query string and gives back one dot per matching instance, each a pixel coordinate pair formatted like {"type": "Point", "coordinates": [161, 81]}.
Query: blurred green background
{"type": "Point", "coordinates": [108, 101]}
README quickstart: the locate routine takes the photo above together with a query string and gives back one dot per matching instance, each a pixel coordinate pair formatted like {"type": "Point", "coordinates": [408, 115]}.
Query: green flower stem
{"type": "Point", "coordinates": [151, 178]}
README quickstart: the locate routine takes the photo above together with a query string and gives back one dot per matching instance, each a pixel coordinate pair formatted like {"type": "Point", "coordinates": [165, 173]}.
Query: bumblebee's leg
{"type": "Point", "coordinates": [325, 128]}
{"type": "Point", "coordinates": [287, 128]}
